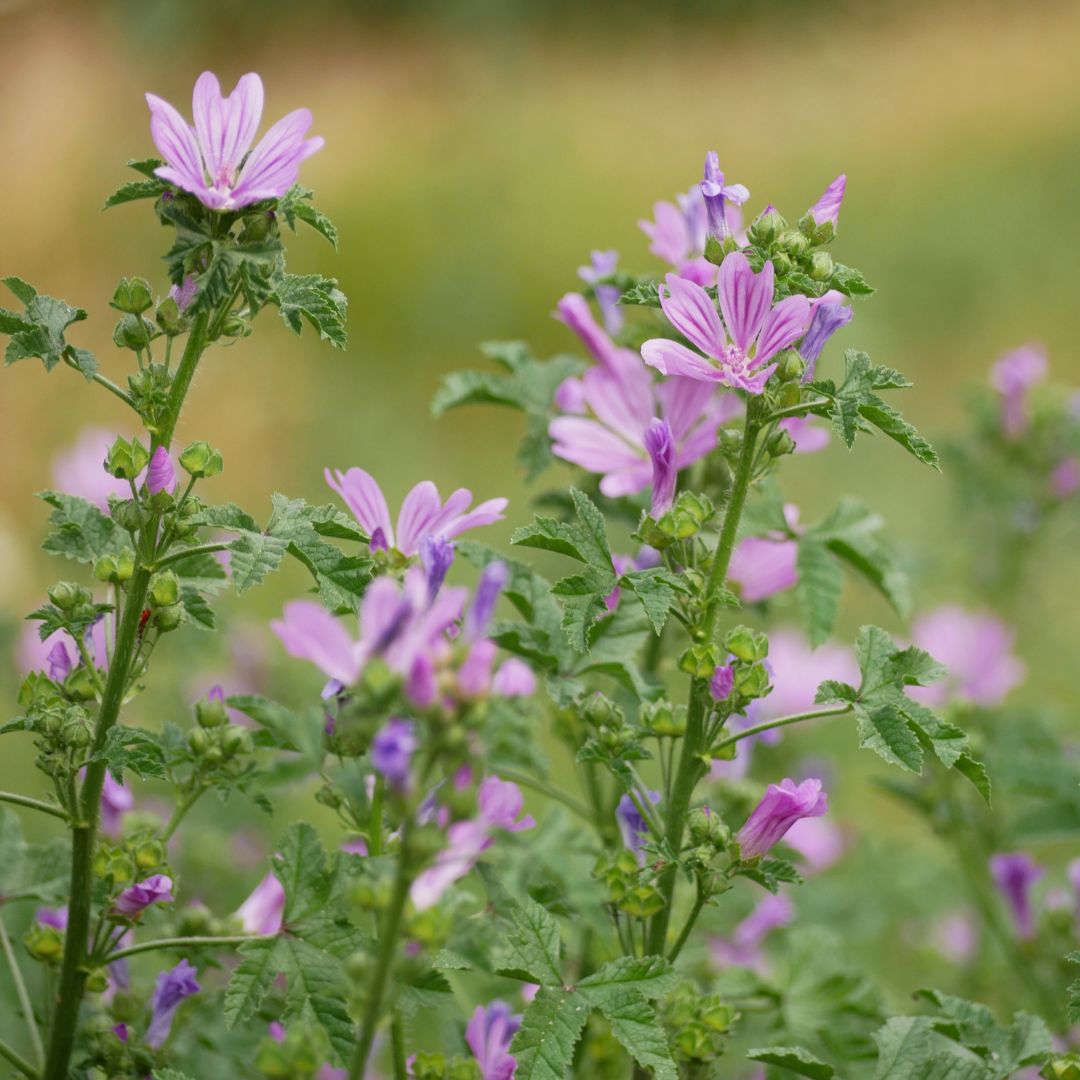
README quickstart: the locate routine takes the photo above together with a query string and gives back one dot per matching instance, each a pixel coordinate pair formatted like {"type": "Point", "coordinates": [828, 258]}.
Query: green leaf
{"type": "Point", "coordinates": [885, 730]}
{"type": "Point", "coordinates": [317, 986]}
{"type": "Point", "coordinates": [301, 867]}
{"type": "Point", "coordinates": [770, 873]}
{"type": "Point", "coordinates": [584, 540]}
{"type": "Point", "coordinates": [197, 609]}
{"type": "Point", "coordinates": [83, 532]}
{"type": "Point", "coordinates": [888, 421]}
{"type": "Point", "coordinates": [295, 205]}
{"type": "Point", "coordinates": [848, 280]}
{"type": "Point", "coordinates": [291, 731]}
{"type": "Point", "coordinates": [544, 1044]}
{"type": "Point", "coordinates": [634, 1023]}
{"type": "Point", "coordinates": [818, 589]}
{"type": "Point", "coordinates": [795, 1059]}
{"type": "Point", "coordinates": [532, 948]}
{"type": "Point", "coordinates": [649, 976]}
{"type": "Point", "coordinates": [136, 189]}
{"type": "Point", "coordinates": [42, 328]}
{"type": "Point", "coordinates": [314, 298]}
{"type": "Point", "coordinates": [134, 750]}
{"type": "Point", "coordinates": [226, 516]}
{"type": "Point", "coordinates": [657, 589]}
{"type": "Point", "coordinates": [644, 294]}
{"type": "Point", "coordinates": [251, 979]}
{"type": "Point", "coordinates": [11, 847]}
{"type": "Point", "coordinates": [583, 604]}
{"type": "Point", "coordinates": [253, 556]}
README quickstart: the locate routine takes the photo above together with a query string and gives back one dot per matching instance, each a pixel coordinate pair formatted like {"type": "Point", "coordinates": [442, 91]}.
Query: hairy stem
{"type": "Point", "coordinates": [181, 811]}
{"type": "Point", "coordinates": [185, 372]}
{"type": "Point", "coordinates": [783, 721]}
{"type": "Point", "coordinates": [101, 380]}
{"type": "Point", "coordinates": [189, 552]}
{"type": "Point", "coordinates": [691, 920]}
{"type": "Point", "coordinates": [23, 996]}
{"type": "Point", "coordinates": [33, 804]}
{"type": "Point", "coordinates": [397, 1042]}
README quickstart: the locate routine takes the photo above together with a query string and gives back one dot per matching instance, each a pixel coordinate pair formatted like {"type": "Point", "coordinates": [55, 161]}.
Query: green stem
{"type": "Point", "coordinates": [185, 372]}
{"type": "Point", "coordinates": [375, 817]}
{"type": "Point", "coordinates": [23, 996]}
{"type": "Point", "coordinates": [783, 721]}
{"type": "Point", "coordinates": [796, 410]}
{"type": "Point", "coordinates": [690, 768]}
{"type": "Point", "coordinates": [109, 385]}
{"type": "Point", "coordinates": [397, 1042]}
{"type": "Point", "coordinates": [184, 943]}
{"type": "Point", "coordinates": [376, 991]}
{"type": "Point", "coordinates": [33, 804]}
{"type": "Point", "coordinates": [181, 810]}
{"type": "Point", "coordinates": [524, 780]}
{"type": "Point", "coordinates": [19, 1062]}
{"type": "Point", "coordinates": [88, 663]}
{"type": "Point", "coordinates": [691, 919]}
{"type": "Point", "coordinates": [189, 552]}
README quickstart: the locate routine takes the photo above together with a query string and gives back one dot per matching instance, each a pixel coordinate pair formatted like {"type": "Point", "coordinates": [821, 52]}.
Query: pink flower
{"type": "Point", "coordinates": [156, 889]}
{"type": "Point", "coordinates": [977, 650]}
{"type": "Point", "coordinates": [762, 566]}
{"type": "Point", "coordinates": [808, 435]}
{"type": "Point", "coordinates": [1014, 875]}
{"type": "Point", "coordinates": [423, 514]}
{"type": "Point", "coordinates": [782, 805]}
{"type": "Point", "coordinates": [660, 445]}
{"type": "Point", "coordinates": [1065, 479]}
{"type": "Point", "coordinates": [717, 195]}
{"type": "Point", "coordinates": [1013, 377]}
{"type": "Point", "coordinates": [735, 351]}
{"type": "Point", "coordinates": [160, 475]}
{"type": "Point", "coordinates": [501, 803]}
{"type": "Point", "coordinates": [827, 208]}
{"type": "Point", "coordinates": [489, 1034]}
{"type": "Point", "coordinates": [514, 679]}
{"type": "Point", "coordinates": [956, 937]}
{"type": "Point", "coordinates": [261, 912]}
{"type": "Point", "coordinates": [212, 161]}
{"type": "Point", "coordinates": [171, 988]}
{"type": "Point", "coordinates": [603, 264]}
{"type": "Point", "coordinates": [818, 841]}
{"type": "Point", "coordinates": [116, 801]}
{"type": "Point", "coordinates": [744, 947]}
{"type": "Point", "coordinates": [79, 470]}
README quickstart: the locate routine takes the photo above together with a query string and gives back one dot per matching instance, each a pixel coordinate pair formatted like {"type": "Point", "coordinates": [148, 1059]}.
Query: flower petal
{"type": "Point", "coordinates": [364, 498]}
{"type": "Point", "coordinates": [589, 444]}
{"type": "Point", "coordinates": [691, 311]}
{"type": "Point", "coordinates": [671, 358]}
{"type": "Point", "coordinates": [744, 297]}
{"type": "Point", "coordinates": [309, 632]}
{"type": "Point", "coordinates": [226, 127]}
{"type": "Point", "coordinates": [418, 510]}
{"type": "Point", "coordinates": [785, 324]}
{"type": "Point", "coordinates": [274, 163]}
{"type": "Point", "coordinates": [176, 144]}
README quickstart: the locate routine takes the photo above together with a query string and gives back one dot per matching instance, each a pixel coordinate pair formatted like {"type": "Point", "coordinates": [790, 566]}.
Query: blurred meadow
{"type": "Point", "coordinates": [475, 153]}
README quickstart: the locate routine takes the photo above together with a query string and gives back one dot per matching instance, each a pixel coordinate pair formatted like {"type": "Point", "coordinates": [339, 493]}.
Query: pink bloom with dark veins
{"type": "Point", "coordinates": [781, 806]}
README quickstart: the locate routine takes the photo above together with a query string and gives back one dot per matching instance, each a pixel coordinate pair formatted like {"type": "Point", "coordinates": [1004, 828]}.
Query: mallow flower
{"type": "Point", "coordinates": [392, 749]}
{"type": "Point", "coordinates": [1013, 377]}
{"type": "Point", "coordinates": [262, 911]}
{"type": "Point", "coordinates": [678, 233]}
{"type": "Point", "coordinates": [489, 1033]}
{"type": "Point", "coordinates": [717, 195]}
{"type": "Point", "coordinates": [212, 160]}
{"type": "Point", "coordinates": [116, 801]}
{"type": "Point", "coordinates": [782, 805]}
{"type": "Point", "coordinates": [737, 351]}
{"type": "Point", "coordinates": [156, 889]}
{"type": "Point", "coordinates": [744, 947]}
{"type": "Point", "coordinates": [829, 313]}
{"type": "Point", "coordinates": [171, 988]}
{"type": "Point", "coordinates": [827, 208]}
{"type": "Point", "coordinates": [632, 825]}
{"type": "Point", "coordinates": [1014, 874]}
{"type": "Point", "coordinates": [423, 513]}
{"type": "Point", "coordinates": [762, 566]}
{"type": "Point", "coordinates": [603, 264]}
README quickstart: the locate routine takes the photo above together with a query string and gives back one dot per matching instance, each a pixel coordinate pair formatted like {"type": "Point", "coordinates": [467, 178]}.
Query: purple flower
{"type": "Point", "coordinates": [392, 750]}
{"type": "Point", "coordinates": [827, 208]}
{"type": "Point", "coordinates": [489, 1034]}
{"type": "Point", "coordinates": [58, 662]}
{"type": "Point", "coordinates": [501, 803]}
{"type": "Point", "coordinates": [492, 581]}
{"type": "Point", "coordinates": [474, 674]}
{"type": "Point", "coordinates": [674, 237]}
{"type": "Point", "coordinates": [121, 1032]}
{"type": "Point", "coordinates": [1065, 479]}
{"type": "Point", "coordinates": [782, 805]}
{"type": "Point", "coordinates": [808, 436]}
{"type": "Point", "coordinates": [116, 801]}
{"type": "Point", "coordinates": [829, 314]}
{"type": "Point", "coordinates": [1014, 874]}
{"type": "Point", "coordinates": [755, 329]}
{"type": "Point", "coordinates": [436, 557]}
{"type": "Point", "coordinates": [604, 264]}
{"type": "Point", "coordinates": [423, 513]}
{"type": "Point", "coordinates": [79, 469]}
{"type": "Point", "coordinates": [212, 162]}
{"type": "Point", "coordinates": [818, 841]}
{"type": "Point", "coordinates": [716, 195]}
{"type": "Point", "coordinates": [977, 650]}
{"type": "Point", "coordinates": [615, 406]}
{"type": "Point", "coordinates": [632, 826]}
{"type": "Point", "coordinates": [720, 685]}
{"type": "Point", "coordinates": [160, 475]}
{"type": "Point", "coordinates": [573, 311]}
{"type": "Point", "coordinates": [762, 566]}
{"type": "Point", "coordinates": [171, 988]}
{"type": "Point", "coordinates": [514, 679]}
{"type": "Point", "coordinates": [156, 889]}
{"type": "Point", "coordinates": [660, 444]}
{"type": "Point", "coordinates": [262, 911]}
{"type": "Point", "coordinates": [1012, 377]}
{"type": "Point", "coordinates": [57, 918]}
{"type": "Point", "coordinates": [184, 293]}
{"type": "Point", "coordinates": [743, 948]}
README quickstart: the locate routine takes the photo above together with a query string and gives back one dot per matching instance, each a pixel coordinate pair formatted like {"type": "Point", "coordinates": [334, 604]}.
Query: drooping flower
{"type": "Point", "coordinates": [660, 445]}
{"type": "Point", "coordinates": [782, 805]}
{"type": "Point", "coordinates": [612, 409]}
{"type": "Point", "coordinates": [160, 474]}
{"type": "Point", "coordinates": [79, 469]}
{"type": "Point", "coordinates": [827, 208]}
{"type": "Point", "coordinates": [1013, 377]}
{"type": "Point", "coordinates": [717, 195]}
{"type": "Point", "coordinates": [492, 581]}
{"type": "Point", "coordinates": [171, 988]}
{"type": "Point", "coordinates": [603, 264]}
{"type": "Point", "coordinates": [423, 513]}
{"type": "Point", "coordinates": [829, 314]}
{"type": "Point", "coordinates": [116, 801]}
{"type": "Point", "coordinates": [58, 663]}
{"type": "Point", "coordinates": [262, 911]}
{"type": "Point", "coordinates": [762, 566]}
{"type": "Point", "coordinates": [632, 825]}
{"type": "Point", "coordinates": [1014, 874]}
{"type": "Point", "coordinates": [392, 749]}
{"type": "Point", "coordinates": [756, 331]}
{"type": "Point", "coordinates": [156, 889]}
{"type": "Point", "coordinates": [212, 161]}
{"type": "Point", "coordinates": [489, 1034]}
{"type": "Point", "coordinates": [1065, 479]}
{"type": "Point", "coordinates": [976, 647]}
{"type": "Point", "coordinates": [744, 947]}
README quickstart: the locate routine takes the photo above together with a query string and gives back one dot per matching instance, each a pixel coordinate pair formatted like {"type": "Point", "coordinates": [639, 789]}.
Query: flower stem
{"type": "Point", "coordinates": [23, 996]}
{"type": "Point", "coordinates": [524, 780]}
{"type": "Point", "coordinates": [18, 1061]}
{"type": "Point", "coordinates": [109, 385]}
{"type": "Point", "coordinates": [691, 919]}
{"type": "Point", "coordinates": [184, 943]}
{"type": "Point", "coordinates": [185, 372]}
{"type": "Point", "coordinates": [181, 810]}
{"type": "Point", "coordinates": [33, 804]}
{"type": "Point", "coordinates": [690, 768]}
{"type": "Point", "coordinates": [190, 552]}
{"type": "Point", "coordinates": [783, 721]}
{"type": "Point", "coordinates": [397, 1040]}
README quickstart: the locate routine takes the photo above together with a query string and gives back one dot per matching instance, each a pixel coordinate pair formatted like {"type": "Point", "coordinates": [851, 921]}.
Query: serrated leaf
{"type": "Point", "coordinates": [313, 298]}
{"type": "Point", "coordinates": [634, 1023]}
{"type": "Point", "coordinates": [301, 866]}
{"type": "Point", "coordinates": [43, 327]}
{"type": "Point", "coordinates": [132, 749]}
{"type": "Point", "coordinates": [657, 591]}
{"type": "Point", "coordinates": [795, 1059]}
{"type": "Point", "coordinates": [251, 979]}
{"type": "Point", "coordinates": [888, 421]}
{"type": "Point", "coordinates": [197, 609]}
{"type": "Point", "coordinates": [295, 205]}
{"type": "Point", "coordinates": [253, 556]}
{"type": "Point", "coordinates": [83, 532]}
{"type": "Point", "coordinates": [884, 729]}
{"type": "Point", "coordinates": [550, 1028]}
{"type": "Point", "coordinates": [532, 947]}
{"type": "Point", "coordinates": [817, 589]}
{"type": "Point", "coordinates": [650, 976]}
{"type": "Point", "coordinates": [150, 188]}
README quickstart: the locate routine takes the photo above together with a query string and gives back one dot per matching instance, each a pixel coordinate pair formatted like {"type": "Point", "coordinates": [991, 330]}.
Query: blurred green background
{"type": "Point", "coordinates": [475, 152]}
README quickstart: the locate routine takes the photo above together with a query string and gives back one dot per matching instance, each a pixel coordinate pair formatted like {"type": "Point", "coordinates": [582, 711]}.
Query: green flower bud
{"type": "Point", "coordinates": [105, 569]}
{"type": "Point", "coordinates": [821, 266]}
{"type": "Point", "coordinates": [210, 713]}
{"type": "Point", "coordinates": [780, 443]}
{"type": "Point", "coordinates": [236, 740]}
{"type": "Point", "coordinates": [200, 459]}
{"type": "Point", "coordinates": [127, 459]}
{"type": "Point", "coordinates": [794, 243]}
{"type": "Point", "coordinates": [164, 589]}
{"type": "Point", "coordinates": [198, 741]}
{"type": "Point", "coordinates": [792, 367]}
{"type": "Point", "coordinates": [141, 383]}
{"type": "Point", "coordinates": [149, 855]}
{"type": "Point", "coordinates": [97, 981]}
{"type": "Point", "coordinates": [767, 228]}
{"type": "Point", "coordinates": [168, 618]}
{"type": "Point", "coordinates": [328, 795]}
{"type": "Point", "coordinates": [707, 828]}
{"type": "Point", "coordinates": [1063, 1068]}
{"type": "Point", "coordinates": [815, 233]}
{"type": "Point", "coordinates": [125, 565]}
{"type": "Point", "coordinates": [601, 711]}
{"type": "Point", "coordinates": [129, 515]}
{"type": "Point", "coordinates": [132, 295]}
{"type": "Point", "coordinates": [80, 684]}
{"type": "Point", "coordinates": [168, 317]}
{"type": "Point", "coordinates": [44, 942]}
{"type": "Point", "coordinates": [782, 263]}
{"type": "Point", "coordinates": [194, 921]}
{"type": "Point", "coordinates": [134, 332]}
{"type": "Point", "coordinates": [663, 718]}
{"type": "Point", "coordinates": [642, 901]}
{"type": "Point", "coordinates": [235, 326]}
{"type": "Point", "coordinates": [66, 594]}
{"type": "Point", "coordinates": [751, 681]}
{"type": "Point", "coordinates": [746, 644]}
{"type": "Point", "coordinates": [790, 395]}
{"type": "Point", "coordinates": [700, 660]}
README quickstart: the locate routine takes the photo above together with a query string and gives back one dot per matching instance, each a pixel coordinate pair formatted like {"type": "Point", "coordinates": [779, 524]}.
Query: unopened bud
{"type": "Point", "coordinates": [129, 515]}
{"type": "Point", "coordinates": [794, 243]}
{"type": "Point", "coordinates": [132, 295]}
{"type": "Point", "coordinates": [211, 713]}
{"type": "Point", "coordinates": [126, 460]}
{"type": "Point", "coordinates": [780, 443]}
{"type": "Point", "coordinates": [792, 366]}
{"type": "Point", "coordinates": [236, 740]}
{"type": "Point", "coordinates": [198, 741]}
{"type": "Point", "coordinates": [168, 317]}
{"type": "Point", "coordinates": [767, 228]}
{"type": "Point", "coordinates": [133, 332]}
{"type": "Point", "coordinates": [168, 618]}
{"type": "Point", "coordinates": [821, 266]}
{"type": "Point", "coordinates": [164, 589]}
{"type": "Point", "coordinates": [200, 459]}
{"type": "Point", "coordinates": [65, 595]}
{"type": "Point", "coordinates": [746, 644]}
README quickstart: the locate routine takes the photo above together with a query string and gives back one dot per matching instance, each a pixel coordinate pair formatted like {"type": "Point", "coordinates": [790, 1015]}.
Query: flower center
{"type": "Point", "coordinates": [735, 359]}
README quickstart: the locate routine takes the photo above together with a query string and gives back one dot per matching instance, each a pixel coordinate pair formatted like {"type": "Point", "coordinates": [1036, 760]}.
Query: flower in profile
{"type": "Point", "coordinates": [212, 161]}
{"type": "Point", "coordinates": [116, 801]}
{"type": "Point", "coordinates": [492, 581]}
{"type": "Point", "coordinates": [827, 208]}
{"type": "Point", "coordinates": [79, 471]}
{"type": "Point", "coordinates": [737, 352]}
{"type": "Point", "coordinates": [392, 749]}
{"type": "Point", "coordinates": [977, 649]}
{"type": "Point", "coordinates": [744, 947]}
{"type": "Point", "coordinates": [160, 474]}
{"type": "Point", "coordinates": [762, 566]}
{"type": "Point", "coordinates": [660, 445]}
{"type": "Point", "coordinates": [782, 805]}
{"type": "Point", "coordinates": [423, 513]}
{"type": "Point", "coordinates": [718, 195]}
{"type": "Point", "coordinates": [633, 828]}
{"type": "Point", "coordinates": [1065, 479]}
{"type": "Point", "coordinates": [156, 889]}
{"type": "Point", "coordinates": [612, 407]}
{"type": "Point", "coordinates": [171, 988]}
{"type": "Point", "coordinates": [58, 662]}
{"type": "Point", "coordinates": [603, 264]}
{"type": "Point", "coordinates": [1013, 377]}
{"type": "Point", "coordinates": [830, 313]}
{"type": "Point", "coordinates": [262, 911]}
{"type": "Point", "coordinates": [489, 1034]}
{"type": "Point", "coordinates": [1014, 874]}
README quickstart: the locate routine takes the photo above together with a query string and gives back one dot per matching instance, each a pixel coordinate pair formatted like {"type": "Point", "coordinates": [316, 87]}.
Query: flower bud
{"type": "Point", "coordinates": [132, 295]}
{"type": "Point", "coordinates": [127, 459]}
{"type": "Point", "coordinates": [751, 681]}
{"type": "Point", "coordinates": [168, 618]}
{"type": "Point", "coordinates": [663, 718]}
{"type": "Point", "coordinates": [44, 942]}
{"type": "Point", "coordinates": [767, 228]}
{"type": "Point", "coordinates": [236, 740]}
{"type": "Point", "coordinates": [200, 459]}
{"type": "Point", "coordinates": [792, 367]}
{"type": "Point", "coordinates": [194, 920]}
{"type": "Point", "coordinates": [746, 644]}
{"type": "Point", "coordinates": [164, 589]}
{"type": "Point", "coordinates": [780, 443]}
{"type": "Point", "coordinates": [794, 243]}
{"type": "Point", "coordinates": [129, 515]}
{"type": "Point", "coordinates": [1063, 1068]}
{"type": "Point", "coordinates": [707, 828]}
{"type": "Point", "coordinates": [97, 981]}
{"type": "Point", "coordinates": [782, 264]}
{"type": "Point", "coordinates": [160, 476]}
{"type": "Point", "coordinates": [75, 733]}
{"type": "Point", "coordinates": [133, 332]}
{"type": "Point", "coordinates": [80, 685]}
{"type": "Point", "coordinates": [642, 901]}
{"type": "Point", "coordinates": [235, 326]}
{"type": "Point", "coordinates": [821, 266]}
{"type": "Point", "coordinates": [106, 569]}
{"type": "Point", "coordinates": [66, 594]}
{"type": "Point", "coordinates": [211, 713]}
{"type": "Point", "coordinates": [168, 317]}
{"type": "Point", "coordinates": [198, 741]}
{"type": "Point", "coordinates": [700, 661]}
{"type": "Point", "coordinates": [328, 795]}
{"type": "Point", "coordinates": [601, 711]}
{"type": "Point", "coordinates": [149, 855]}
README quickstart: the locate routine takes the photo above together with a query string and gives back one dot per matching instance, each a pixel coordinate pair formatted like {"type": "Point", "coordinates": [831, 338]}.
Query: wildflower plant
{"type": "Point", "coordinates": [450, 930]}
